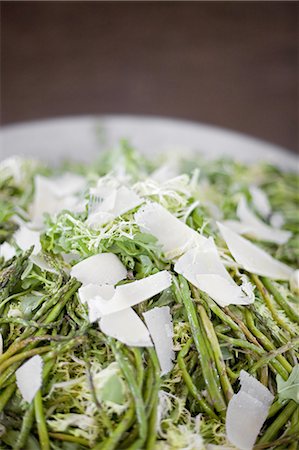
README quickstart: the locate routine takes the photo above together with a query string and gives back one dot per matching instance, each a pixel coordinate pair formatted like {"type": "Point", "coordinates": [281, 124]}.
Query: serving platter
{"type": "Point", "coordinates": [82, 137]}
{"type": "Point", "coordinates": [120, 248]}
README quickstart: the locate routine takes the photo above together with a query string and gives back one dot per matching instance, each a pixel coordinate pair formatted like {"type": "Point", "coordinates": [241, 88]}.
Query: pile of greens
{"type": "Point", "coordinates": [99, 393]}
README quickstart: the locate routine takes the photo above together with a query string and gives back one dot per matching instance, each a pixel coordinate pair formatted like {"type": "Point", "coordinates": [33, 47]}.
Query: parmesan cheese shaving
{"type": "Point", "coordinates": [110, 203]}
{"type": "Point", "coordinates": [205, 270]}
{"type": "Point", "coordinates": [277, 220]}
{"type": "Point", "coordinates": [260, 201]}
{"type": "Point", "coordinates": [174, 236]}
{"type": "Point", "coordinates": [7, 251]}
{"type": "Point", "coordinates": [104, 268]}
{"type": "Point", "coordinates": [66, 184]}
{"type": "Point", "coordinates": [96, 220]}
{"type": "Point", "coordinates": [90, 291]}
{"type": "Point", "coordinates": [159, 324]}
{"type": "Point", "coordinates": [40, 262]}
{"type": "Point", "coordinates": [127, 327]}
{"type": "Point", "coordinates": [29, 377]}
{"type": "Point", "coordinates": [53, 195]}
{"type": "Point", "coordinates": [106, 299]}
{"type": "Point", "coordinates": [12, 167]}
{"type": "Point", "coordinates": [165, 172]}
{"type": "Point", "coordinates": [222, 291]}
{"type": "Point", "coordinates": [126, 199]}
{"type": "Point", "coordinates": [203, 260]}
{"type": "Point", "coordinates": [247, 412]}
{"type": "Point", "coordinates": [131, 294]}
{"type": "Point", "coordinates": [252, 258]}
{"type": "Point", "coordinates": [239, 227]}
{"type": "Point", "coordinates": [257, 228]}
{"type": "Point", "coordinates": [26, 238]}
{"type": "Point", "coordinates": [97, 302]}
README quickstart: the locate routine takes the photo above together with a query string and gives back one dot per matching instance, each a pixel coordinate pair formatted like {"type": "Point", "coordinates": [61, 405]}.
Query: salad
{"type": "Point", "coordinates": [148, 304]}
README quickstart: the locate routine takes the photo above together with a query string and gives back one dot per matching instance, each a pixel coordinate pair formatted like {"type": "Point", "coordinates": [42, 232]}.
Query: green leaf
{"type": "Point", "coordinates": [28, 304]}
{"type": "Point", "coordinates": [289, 390]}
{"type": "Point", "coordinates": [11, 436]}
{"type": "Point", "coordinates": [113, 391]}
{"type": "Point", "coordinates": [166, 298]}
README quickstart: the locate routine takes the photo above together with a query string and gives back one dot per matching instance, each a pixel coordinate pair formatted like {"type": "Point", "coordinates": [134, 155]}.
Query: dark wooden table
{"type": "Point", "coordinates": [233, 64]}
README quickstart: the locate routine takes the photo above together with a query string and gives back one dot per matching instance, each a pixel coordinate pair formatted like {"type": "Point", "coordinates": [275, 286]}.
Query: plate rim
{"type": "Point", "coordinates": [209, 128]}
{"type": "Point", "coordinates": [142, 117]}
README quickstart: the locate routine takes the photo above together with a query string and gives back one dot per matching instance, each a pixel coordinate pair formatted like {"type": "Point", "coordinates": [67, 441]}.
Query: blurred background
{"type": "Point", "coordinates": [232, 64]}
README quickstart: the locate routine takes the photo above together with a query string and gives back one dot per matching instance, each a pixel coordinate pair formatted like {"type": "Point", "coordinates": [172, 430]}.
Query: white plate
{"type": "Point", "coordinates": [81, 138]}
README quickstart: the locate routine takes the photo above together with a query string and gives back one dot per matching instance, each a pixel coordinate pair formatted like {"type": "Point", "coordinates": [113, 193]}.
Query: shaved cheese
{"type": "Point", "coordinates": [95, 308]}
{"type": "Point", "coordinates": [127, 327]}
{"type": "Point", "coordinates": [253, 387]}
{"type": "Point", "coordinates": [214, 210]}
{"type": "Point", "coordinates": [165, 172]}
{"type": "Point", "coordinates": [205, 270]}
{"type": "Point", "coordinates": [52, 195]}
{"type": "Point", "coordinates": [7, 251]}
{"type": "Point", "coordinates": [105, 300]}
{"type": "Point", "coordinates": [12, 167]}
{"type": "Point", "coordinates": [110, 203]}
{"type": "Point", "coordinates": [44, 201]}
{"type": "Point", "coordinates": [260, 201]}
{"type": "Point", "coordinates": [98, 219]}
{"type": "Point", "coordinates": [95, 298]}
{"type": "Point", "coordinates": [1, 344]}
{"type": "Point", "coordinates": [60, 186]}
{"type": "Point", "coordinates": [91, 291]}
{"type": "Point", "coordinates": [203, 260]}
{"type": "Point", "coordinates": [159, 324]}
{"type": "Point", "coordinates": [104, 268]}
{"type": "Point", "coordinates": [25, 238]}
{"type": "Point", "coordinates": [109, 200]}
{"type": "Point", "coordinates": [239, 227]}
{"type": "Point", "coordinates": [40, 262]}
{"type": "Point", "coordinates": [29, 377]}
{"type": "Point", "coordinates": [70, 257]}
{"type": "Point", "coordinates": [102, 195]}
{"type": "Point", "coordinates": [222, 291]}
{"type": "Point", "coordinates": [277, 220]}
{"type": "Point", "coordinates": [126, 199]}
{"type": "Point", "coordinates": [131, 294]}
{"type": "Point", "coordinates": [66, 184]}
{"type": "Point", "coordinates": [257, 228]}
{"type": "Point", "coordinates": [247, 411]}
{"type": "Point", "coordinates": [174, 236]}
{"type": "Point", "coordinates": [252, 258]}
